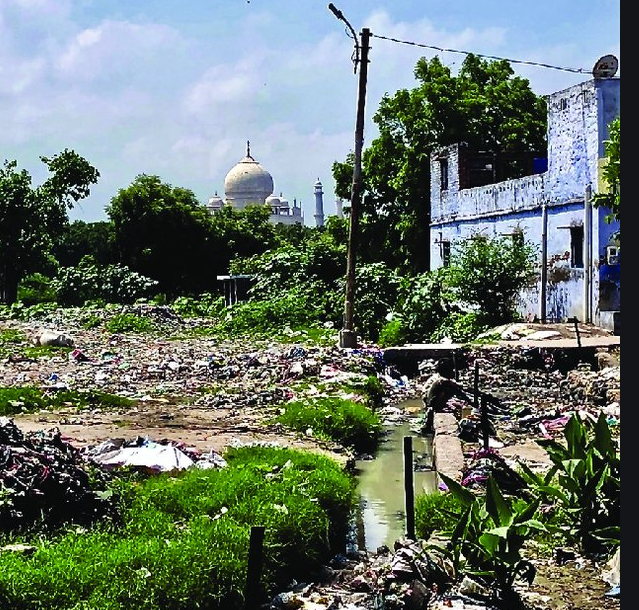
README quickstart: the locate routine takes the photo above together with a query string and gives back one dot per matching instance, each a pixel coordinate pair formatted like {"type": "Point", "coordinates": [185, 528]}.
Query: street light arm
{"type": "Point", "coordinates": [336, 11]}
{"type": "Point", "coordinates": [341, 17]}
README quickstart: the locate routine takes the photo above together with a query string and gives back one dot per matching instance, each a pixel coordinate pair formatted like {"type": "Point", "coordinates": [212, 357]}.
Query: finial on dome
{"type": "Point", "coordinates": [248, 148]}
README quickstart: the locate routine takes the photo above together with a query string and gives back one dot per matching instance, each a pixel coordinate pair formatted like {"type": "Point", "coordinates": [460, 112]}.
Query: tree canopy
{"type": "Point", "coordinates": [164, 233]}
{"type": "Point", "coordinates": [611, 198]}
{"type": "Point", "coordinates": [81, 239]}
{"type": "Point", "coordinates": [484, 105]}
{"type": "Point", "coordinates": [33, 219]}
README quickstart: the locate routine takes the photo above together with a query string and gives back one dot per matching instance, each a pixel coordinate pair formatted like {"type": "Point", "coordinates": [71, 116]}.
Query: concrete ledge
{"type": "Point", "coordinates": [448, 457]}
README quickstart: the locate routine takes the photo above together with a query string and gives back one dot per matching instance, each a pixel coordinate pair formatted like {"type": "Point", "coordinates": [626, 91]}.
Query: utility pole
{"type": "Point", "coordinates": [347, 335]}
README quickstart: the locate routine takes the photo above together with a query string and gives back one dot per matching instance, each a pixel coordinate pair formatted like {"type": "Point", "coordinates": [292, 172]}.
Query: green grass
{"type": "Point", "coordinates": [130, 322]}
{"type": "Point", "coordinates": [184, 538]}
{"type": "Point", "coordinates": [14, 400]}
{"type": "Point", "coordinates": [11, 336]}
{"type": "Point", "coordinates": [349, 423]}
{"type": "Point", "coordinates": [435, 512]}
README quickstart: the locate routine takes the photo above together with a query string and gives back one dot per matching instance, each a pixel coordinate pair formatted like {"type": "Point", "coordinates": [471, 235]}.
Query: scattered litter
{"type": "Point", "coordinates": [150, 455]}
{"type": "Point", "coordinates": [53, 338]}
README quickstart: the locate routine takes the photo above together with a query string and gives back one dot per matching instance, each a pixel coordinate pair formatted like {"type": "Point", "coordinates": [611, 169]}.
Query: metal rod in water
{"type": "Point", "coordinates": [409, 491]}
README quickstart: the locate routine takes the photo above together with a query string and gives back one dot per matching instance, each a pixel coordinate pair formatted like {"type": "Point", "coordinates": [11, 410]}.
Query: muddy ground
{"type": "Point", "coordinates": [207, 395]}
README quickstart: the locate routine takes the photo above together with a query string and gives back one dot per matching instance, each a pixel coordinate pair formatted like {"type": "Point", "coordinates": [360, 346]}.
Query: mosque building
{"type": "Point", "coordinates": [249, 183]}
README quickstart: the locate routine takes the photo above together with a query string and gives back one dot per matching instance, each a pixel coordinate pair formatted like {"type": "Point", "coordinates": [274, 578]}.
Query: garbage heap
{"type": "Point", "coordinates": [45, 482]}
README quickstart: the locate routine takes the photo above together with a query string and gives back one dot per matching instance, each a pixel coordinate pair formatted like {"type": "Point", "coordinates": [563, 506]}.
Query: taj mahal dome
{"type": "Point", "coordinates": [247, 182]}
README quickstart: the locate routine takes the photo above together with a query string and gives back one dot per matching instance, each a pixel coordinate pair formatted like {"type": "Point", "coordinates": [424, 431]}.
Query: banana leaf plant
{"type": "Point", "coordinates": [489, 536]}
{"type": "Point", "coordinates": [583, 484]}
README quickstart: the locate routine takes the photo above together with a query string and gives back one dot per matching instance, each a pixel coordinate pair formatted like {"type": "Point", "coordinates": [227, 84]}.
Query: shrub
{"type": "Point", "coordinates": [207, 305]}
{"type": "Point", "coordinates": [376, 293]}
{"type": "Point", "coordinates": [344, 421]}
{"type": "Point", "coordinates": [293, 309]}
{"type": "Point", "coordinates": [129, 322]}
{"type": "Point", "coordinates": [90, 281]}
{"type": "Point", "coordinates": [488, 274]}
{"type": "Point", "coordinates": [460, 327]}
{"type": "Point", "coordinates": [36, 288]}
{"type": "Point", "coordinates": [422, 305]}
{"type": "Point", "coordinates": [393, 332]}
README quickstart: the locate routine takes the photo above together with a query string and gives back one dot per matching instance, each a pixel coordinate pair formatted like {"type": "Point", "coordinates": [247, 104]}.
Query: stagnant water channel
{"type": "Point", "coordinates": [381, 518]}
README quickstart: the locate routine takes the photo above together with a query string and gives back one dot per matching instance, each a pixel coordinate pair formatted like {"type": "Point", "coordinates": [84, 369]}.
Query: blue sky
{"type": "Point", "coordinates": [176, 87]}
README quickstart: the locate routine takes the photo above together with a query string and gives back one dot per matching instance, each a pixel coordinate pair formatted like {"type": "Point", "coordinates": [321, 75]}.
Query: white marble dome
{"type": "Point", "coordinates": [247, 182]}
{"type": "Point", "coordinates": [215, 202]}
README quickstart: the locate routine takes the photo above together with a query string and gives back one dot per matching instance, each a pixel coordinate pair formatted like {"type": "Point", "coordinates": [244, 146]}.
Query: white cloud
{"type": "Point", "coordinates": [219, 86]}
{"type": "Point", "coordinates": [41, 7]}
{"type": "Point", "coordinates": [115, 47]}
{"type": "Point", "coordinates": [16, 75]}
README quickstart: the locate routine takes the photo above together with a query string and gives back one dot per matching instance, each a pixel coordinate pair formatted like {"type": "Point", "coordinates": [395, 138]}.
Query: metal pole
{"type": "Point", "coordinates": [409, 491]}
{"type": "Point", "coordinates": [587, 308]}
{"type": "Point", "coordinates": [348, 336]}
{"type": "Point", "coordinates": [544, 263]}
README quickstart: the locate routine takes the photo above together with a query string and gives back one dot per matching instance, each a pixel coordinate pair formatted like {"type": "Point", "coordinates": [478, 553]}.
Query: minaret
{"type": "Point", "coordinates": [319, 204]}
{"type": "Point", "coordinates": [339, 207]}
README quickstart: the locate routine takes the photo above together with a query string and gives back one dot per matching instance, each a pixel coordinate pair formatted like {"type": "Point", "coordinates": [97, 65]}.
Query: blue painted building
{"type": "Point", "coordinates": [550, 206]}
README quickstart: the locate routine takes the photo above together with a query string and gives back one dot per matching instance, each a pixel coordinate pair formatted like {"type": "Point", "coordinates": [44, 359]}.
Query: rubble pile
{"type": "Point", "coordinates": [44, 481]}
{"type": "Point", "coordinates": [408, 578]}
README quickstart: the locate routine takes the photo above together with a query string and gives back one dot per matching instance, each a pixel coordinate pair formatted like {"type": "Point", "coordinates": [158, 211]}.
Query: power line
{"type": "Point", "coordinates": [513, 61]}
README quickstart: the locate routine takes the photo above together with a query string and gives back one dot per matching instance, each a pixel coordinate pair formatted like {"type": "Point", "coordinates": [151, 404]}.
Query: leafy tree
{"type": "Point", "coordinates": [488, 274]}
{"type": "Point", "coordinates": [312, 270]}
{"type": "Point", "coordinates": [81, 238]}
{"type": "Point", "coordinates": [295, 234]}
{"type": "Point", "coordinates": [612, 173]}
{"type": "Point", "coordinates": [242, 233]}
{"type": "Point", "coordinates": [485, 105]}
{"type": "Point", "coordinates": [32, 219]}
{"type": "Point", "coordinates": [164, 233]}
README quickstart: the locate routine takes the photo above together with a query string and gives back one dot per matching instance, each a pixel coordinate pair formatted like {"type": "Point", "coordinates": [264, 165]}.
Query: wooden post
{"type": "Point", "coordinates": [254, 569]}
{"type": "Point", "coordinates": [409, 492]}
{"type": "Point", "coordinates": [476, 387]}
{"type": "Point", "coordinates": [575, 320]}
{"type": "Point", "coordinates": [484, 422]}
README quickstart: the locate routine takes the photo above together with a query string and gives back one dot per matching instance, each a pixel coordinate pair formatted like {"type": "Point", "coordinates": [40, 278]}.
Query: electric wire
{"type": "Point", "coordinates": [513, 61]}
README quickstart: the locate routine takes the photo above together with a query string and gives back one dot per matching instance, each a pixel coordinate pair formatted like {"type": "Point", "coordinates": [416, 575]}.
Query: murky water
{"type": "Point", "coordinates": [382, 514]}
